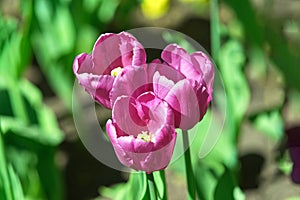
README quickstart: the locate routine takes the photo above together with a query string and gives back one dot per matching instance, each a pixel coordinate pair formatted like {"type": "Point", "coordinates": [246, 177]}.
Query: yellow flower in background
{"type": "Point", "coordinates": [195, 1]}
{"type": "Point", "coordinates": [155, 9]}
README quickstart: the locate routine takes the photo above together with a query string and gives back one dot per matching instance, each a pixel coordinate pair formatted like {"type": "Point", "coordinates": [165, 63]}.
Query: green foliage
{"type": "Point", "coordinates": [271, 124]}
{"type": "Point", "coordinates": [231, 65]}
{"type": "Point", "coordinates": [159, 178]}
{"type": "Point", "coordinates": [135, 188]}
{"type": "Point", "coordinates": [31, 134]}
{"type": "Point", "coordinates": [52, 33]}
{"type": "Point", "coordinates": [14, 43]}
{"type": "Point", "coordinates": [261, 31]}
{"type": "Point", "coordinates": [29, 128]}
{"type": "Point", "coordinates": [225, 187]}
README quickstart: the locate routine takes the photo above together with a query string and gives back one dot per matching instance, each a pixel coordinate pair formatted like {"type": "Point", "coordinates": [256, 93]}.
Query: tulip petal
{"type": "Point", "coordinates": [159, 112]}
{"type": "Point", "coordinates": [204, 65]}
{"type": "Point", "coordinates": [160, 158]}
{"type": "Point", "coordinates": [140, 155]}
{"type": "Point", "coordinates": [131, 82]}
{"type": "Point", "coordinates": [97, 86]}
{"type": "Point", "coordinates": [121, 154]}
{"type": "Point", "coordinates": [117, 50]}
{"type": "Point", "coordinates": [161, 85]}
{"type": "Point", "coordinates": [126, 117]}
{"type": "Point", "coordinates": [183, 99]}
{"type": "Point", "coordinates": [179, 58]}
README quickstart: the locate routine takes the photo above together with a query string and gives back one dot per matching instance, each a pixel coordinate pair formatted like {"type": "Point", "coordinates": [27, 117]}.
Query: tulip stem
{"type": "Point", "coordinates": [188, 167]}
{"type": "Point", "coordinates": [151, 186]}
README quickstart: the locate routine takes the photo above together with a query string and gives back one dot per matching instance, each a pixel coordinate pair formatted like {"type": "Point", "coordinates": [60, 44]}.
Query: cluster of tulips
{"type": "Point", "coordinates": [148, 100]}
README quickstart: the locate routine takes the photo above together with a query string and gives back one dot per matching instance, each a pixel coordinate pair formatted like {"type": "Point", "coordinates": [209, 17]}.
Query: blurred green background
{"type": "Point", "coordinates": [255, 45]}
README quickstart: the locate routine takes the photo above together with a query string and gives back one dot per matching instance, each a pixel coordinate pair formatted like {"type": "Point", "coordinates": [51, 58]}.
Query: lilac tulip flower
{"type": "Point", "coordinates": [198, 71]}
{"type": "Point", "coordinates": [111, 53]}
{"type": "Point", "coordinates": [142, 132]}
{"type": "Point", "coordinates": [197, 67]}
{"type": "Point", "coordinates": [169, 85]}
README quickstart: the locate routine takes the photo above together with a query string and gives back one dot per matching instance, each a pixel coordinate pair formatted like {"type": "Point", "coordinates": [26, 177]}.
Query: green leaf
{"type": "Point", "coordinates": [54, 42]}
{"type": "Point", "coordinates": [215, 31]}
{"type": "Point", "coordinates": [285, 164]}
{"type": "Point", "coordinates": [245, 13]}
{"type": "Point", "coordinates": [107, 10]}
{"type": "Point", "coordinates": [258, 31]}
{"type": "Point", "coordinates": [159, 178]}
{"type": "Point", "coordinates": [231, 64]}
{"type": "Point", "coordinates": [136, 182]}
{"type": "Point", "coordinates": [271, 124]}
{"type": "Point", "coordinates": [5, 185]}
{"type": "Point", "coordinates": [281, 55]}
{"type": "Point", "coordinates": [15, 184]}
{"type": "Point", "coordinates": [64, 30]}
{"type": "Point", "coordinates": [50, 178]}
{"type": "Point", "coordinates": [206, 181]}
{"type": "Point", "coordinates": [225, 186]}
{"type": "Point", "coordinates": [37, 121]}
{"type": "Point", "coordinates": [293, 198]}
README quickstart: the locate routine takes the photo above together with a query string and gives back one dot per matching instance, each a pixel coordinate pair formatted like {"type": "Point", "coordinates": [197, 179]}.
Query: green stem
{"type": "Point", "coordinates": [215, 29]}
{"type": "Point", "coordinates": [151, 186]}
{"type": "Point", "coordinates": [188, 167]}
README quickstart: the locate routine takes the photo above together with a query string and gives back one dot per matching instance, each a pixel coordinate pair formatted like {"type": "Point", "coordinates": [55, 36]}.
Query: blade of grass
{"type": "Point", "coordinates": [4, 172]}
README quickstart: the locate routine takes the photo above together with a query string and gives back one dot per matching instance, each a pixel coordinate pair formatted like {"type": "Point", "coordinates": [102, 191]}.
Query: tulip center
{"type": "Point", "coordinates": [116, 71]}
{"type": "Point", "coordinates": [146, 136]}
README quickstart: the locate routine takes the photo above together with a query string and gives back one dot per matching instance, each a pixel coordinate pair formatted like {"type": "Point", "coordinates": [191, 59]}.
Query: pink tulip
{"type": "Point", "coordinates": [169, 85]}
{"type": "Point", "coordinates": [142, 132]}
{"type": "Point", "coordinates": [111, 53]}
{"type": "Point", "coordinates": [197, 67]}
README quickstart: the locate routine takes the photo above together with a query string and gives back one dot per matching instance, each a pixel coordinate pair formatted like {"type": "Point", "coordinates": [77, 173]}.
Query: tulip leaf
{"type": "Point", "coordinates": [30, 139]}
{"type": "Point", "coordinates": [37, 121]}
{"type": "Point", "coordinates": [271, 124]}
{"type": "Point", "coordinates": [53, 43]}
{"type": "Point", "coordinates": [225, 186]}
{"type": "Point", "coordinates": [15, 50]}
{"type": "Point", "coordinates": [107, 10]}
{"type": "Point", "coordinates": [116, 192]}
{"type": "Point", "coordinates": [238, 94]}
{"type": "Point", "coordinates": [257, 31]}
{"type": "Point", "coordinates": [160, 184]}
{"type": "Point", "coordinates": [247, 16]}
{"type": "Point", "coordinates": [136, 182]}
{"type": "Point", "coordinates": [5, 185]}
{"type": "Point", "coordinates": [15, 184]}
{"type": "Point", "coordinates": [293, 198]}
{"type": "Point", "coordinates": [206, 181]}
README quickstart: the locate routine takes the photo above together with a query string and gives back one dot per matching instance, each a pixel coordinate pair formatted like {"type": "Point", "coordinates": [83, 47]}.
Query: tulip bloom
{"type": "Point", "coordinates": [142, 132]}
{"type": "Point", "coordinates": [111, 53]}
{"type": "Point", "coordinates": [197, 67]}
{"type": "Point", "coordinates": [198, 72]}
{"type": "Point", "coordinates": [169, 85]}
